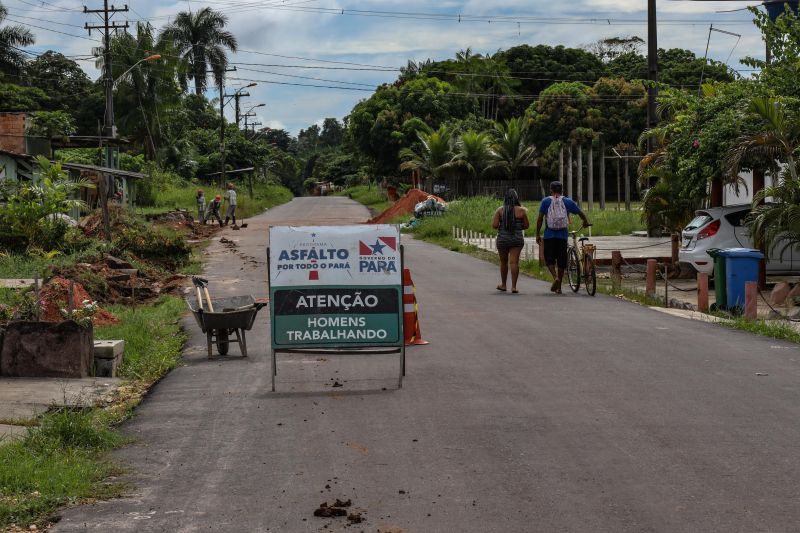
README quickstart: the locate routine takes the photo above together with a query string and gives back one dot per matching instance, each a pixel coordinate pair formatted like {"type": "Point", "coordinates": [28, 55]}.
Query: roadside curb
{"type": "Point", "coordinates": [691, 315]}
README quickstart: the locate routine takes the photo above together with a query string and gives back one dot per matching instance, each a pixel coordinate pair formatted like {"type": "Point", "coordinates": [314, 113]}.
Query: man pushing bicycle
{"type": "Point", "coordinates": [555, 210]}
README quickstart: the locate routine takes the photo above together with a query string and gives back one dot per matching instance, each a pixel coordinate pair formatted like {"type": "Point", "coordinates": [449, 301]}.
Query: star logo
{"type": "Point", "coordinates": [377, 248]}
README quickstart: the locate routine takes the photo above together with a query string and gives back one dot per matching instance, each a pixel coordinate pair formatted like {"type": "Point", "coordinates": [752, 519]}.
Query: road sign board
{"type": "Point", "coordinates": [335, 286]}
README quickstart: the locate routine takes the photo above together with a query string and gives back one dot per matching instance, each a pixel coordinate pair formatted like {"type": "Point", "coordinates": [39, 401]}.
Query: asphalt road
{"type": "Point", "coordinates": [526, 413]}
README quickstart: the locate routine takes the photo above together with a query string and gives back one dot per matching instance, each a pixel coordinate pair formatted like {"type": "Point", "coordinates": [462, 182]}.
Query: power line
{"type": "Point", "coordinates": [48, 21]}
{"type": "Point", "coordinates": [52, 30]}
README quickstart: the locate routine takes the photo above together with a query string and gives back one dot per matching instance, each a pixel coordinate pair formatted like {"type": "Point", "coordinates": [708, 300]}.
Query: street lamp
{"type": "Point", "coordinates": [249, 114]}
{"type": "Point", "coordinates": [154, 57]}
{"type": "Point", "coordinates": [255, 106]}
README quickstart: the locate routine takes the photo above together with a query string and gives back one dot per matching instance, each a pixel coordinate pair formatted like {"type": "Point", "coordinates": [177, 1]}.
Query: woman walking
{"type": "Point", "coordinates": [510, 220]}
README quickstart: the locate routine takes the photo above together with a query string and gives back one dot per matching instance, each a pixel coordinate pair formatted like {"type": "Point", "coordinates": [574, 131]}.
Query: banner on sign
{"type": "Point", "coordinates": [335, 286]}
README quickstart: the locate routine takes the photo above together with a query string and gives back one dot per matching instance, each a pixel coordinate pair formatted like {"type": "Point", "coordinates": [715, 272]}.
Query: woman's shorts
{"type": "Point", "coordinates": [509, 243]}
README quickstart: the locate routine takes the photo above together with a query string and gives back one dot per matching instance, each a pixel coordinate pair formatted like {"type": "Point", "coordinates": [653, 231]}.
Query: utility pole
{"type": "Point", "coordinates": [246, 116]}
{"type": "Point", "coordinates": [254, 124]}
{"type": "Point", "coordinates": [109, 129]}
{"type": "Point", "coordinates": [222, 124]}
{"type": "Point", "coordinates": [236, 96]}
{"type": "Point", "coordinates": [652, 70]}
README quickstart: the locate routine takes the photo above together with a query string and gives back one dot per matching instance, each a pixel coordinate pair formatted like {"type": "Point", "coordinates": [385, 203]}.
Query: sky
{"type": "Point", "coordinates": [336, 52]}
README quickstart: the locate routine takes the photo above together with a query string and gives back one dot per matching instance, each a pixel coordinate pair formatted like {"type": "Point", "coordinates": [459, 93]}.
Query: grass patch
{"type": "Point", "coordinates": [153, 337]}
{"type": "Point", "coordinates": [371, 197]}
{"type": "Point", "coordinates": [61, 460]}
{"type": "Point", "coordinates": [31, 265]}
{"type": "Point", "coordinates": [56, 464]}
{"type": "Point", "coordinates": [775, 329]}
{"type": "Point", "coordinates": [183, 197]}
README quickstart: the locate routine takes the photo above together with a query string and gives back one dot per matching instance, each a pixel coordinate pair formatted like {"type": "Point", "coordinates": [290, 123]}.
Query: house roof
{"type": "Point", "coordinates": [104, 170]}
{"type": "Point", "coordinates": [79, 166]}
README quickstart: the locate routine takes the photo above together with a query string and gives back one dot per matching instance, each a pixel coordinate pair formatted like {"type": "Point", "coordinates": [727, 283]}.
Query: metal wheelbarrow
{"type": "Point", "coordinates": [231, 316]}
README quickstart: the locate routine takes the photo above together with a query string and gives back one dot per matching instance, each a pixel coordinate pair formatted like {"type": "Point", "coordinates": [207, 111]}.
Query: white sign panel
{"type": "Point", "coordinates": [366, 254]}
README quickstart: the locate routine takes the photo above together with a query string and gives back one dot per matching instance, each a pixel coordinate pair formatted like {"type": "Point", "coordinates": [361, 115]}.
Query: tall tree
{"type": "Point", "coordinates": [332, 133]}
{"type": "Point", "coordinates": [61, 78]}
{"type": "Point", "coordinates": [782, 38]}
{"type": "Point", "coordinates": [474, 157]}
{"type": "Point", "coordinates": [431, 155]}
{"type": "Point", "coordinates": [512, 147]}
{"type": "Point", "coordinates": [202, 41]}
{"type": "Point", "coordinates": [12, 37]}
{"type": "Point", "coordinates": [145, 90]}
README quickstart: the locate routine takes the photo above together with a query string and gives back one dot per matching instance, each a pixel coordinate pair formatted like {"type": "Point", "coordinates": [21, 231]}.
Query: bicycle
{"type": "Point", "coordinates": [580, 264]}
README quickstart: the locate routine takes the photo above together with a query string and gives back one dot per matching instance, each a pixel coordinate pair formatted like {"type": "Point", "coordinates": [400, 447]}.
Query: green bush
{"type": "Point", "coordinates": [156, 244]}
{"type": "Point", "coordinates": [75, 240]}
{"type": "Point", "coordinates": [50, 234]}
{"type": "Point", "coordinates": [30, 207]}
{"type": "Point", "coordinates": [157, 187]}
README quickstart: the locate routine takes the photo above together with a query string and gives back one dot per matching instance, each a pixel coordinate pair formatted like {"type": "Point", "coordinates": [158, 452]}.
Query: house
{"type": "Point", "coordinates": [18, 152]}
{"type": "Point", "coordinates": [730, 196]}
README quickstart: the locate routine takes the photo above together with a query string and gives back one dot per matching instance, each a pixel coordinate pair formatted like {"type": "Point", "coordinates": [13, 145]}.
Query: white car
{"type": "Point", "coordinates": [723, 227]}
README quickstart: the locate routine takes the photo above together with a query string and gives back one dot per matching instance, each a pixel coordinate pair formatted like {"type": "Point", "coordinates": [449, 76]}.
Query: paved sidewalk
{"type": "Point", "coordinates": [22, 399]}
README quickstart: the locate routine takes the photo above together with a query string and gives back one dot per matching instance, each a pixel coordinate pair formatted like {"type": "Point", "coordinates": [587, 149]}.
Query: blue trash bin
{"type": "Point", "coordinates": [741, 266]}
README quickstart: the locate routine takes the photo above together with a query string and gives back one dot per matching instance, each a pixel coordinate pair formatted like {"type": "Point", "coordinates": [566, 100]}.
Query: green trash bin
{"type": "Point", "coordinates": [720, 289]}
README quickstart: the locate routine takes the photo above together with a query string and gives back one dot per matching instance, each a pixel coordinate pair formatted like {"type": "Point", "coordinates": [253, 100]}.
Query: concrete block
{"type": "Point", "coordinates": [46, 349]}
{"type": "Point", "coordinates": [109, 349]}
{"type": "Point", "coordinates": [107, 368]}
{"type": "Point", "coordinates": [108, 357]}
{"type": "Point", "coordinates": [779, 293]}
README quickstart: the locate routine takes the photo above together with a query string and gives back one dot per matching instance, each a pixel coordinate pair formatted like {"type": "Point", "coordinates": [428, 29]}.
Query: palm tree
{"type": "Point", "coordinates": [662, 205]}
{"type": "Point", "coordinates": [431, 156]}
{"type": "Point", "coordinates": [778, 140]}
{"type": "Point", "coordinates": [778, 223]}
{"type": "Point", "coordinates": [512, 147]}
{"type": "Point", "coordinates": [201, 40]}
{"type": "Point", "coordinates": [146, 90]}
{"type": "Point", "coordinates": [11, 39]}
{"type": "Point", "coordinates": [496, 82]}
{"type": "Point", "coordinates": [474, 157]}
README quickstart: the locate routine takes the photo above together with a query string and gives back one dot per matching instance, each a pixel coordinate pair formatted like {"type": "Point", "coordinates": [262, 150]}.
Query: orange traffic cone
{"type": "Point", "coordinates": [411, 331]}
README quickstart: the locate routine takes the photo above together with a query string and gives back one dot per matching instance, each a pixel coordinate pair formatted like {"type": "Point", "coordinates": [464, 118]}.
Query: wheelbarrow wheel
{"type": "Point", "coordinates": [223, 343]}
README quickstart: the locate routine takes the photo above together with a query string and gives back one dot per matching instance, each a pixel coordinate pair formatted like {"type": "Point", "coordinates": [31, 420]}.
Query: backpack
{"type": "Point", "coordinates": [557, 214]}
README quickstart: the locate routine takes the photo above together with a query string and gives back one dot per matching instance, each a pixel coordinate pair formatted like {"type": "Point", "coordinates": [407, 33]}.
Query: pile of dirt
{"type": "Point", "coordinates": [182, 220]}
{"type": "Point", "coordinates": [55, 295]}
{"type": "Point", "coordinates": [119, 220]}
{"type": "Point", "coordinates": [116, 281]}
{"type": "Point", "coordinates": [404, 206]}
{"type": "Point", "coordinates": [338, 508]}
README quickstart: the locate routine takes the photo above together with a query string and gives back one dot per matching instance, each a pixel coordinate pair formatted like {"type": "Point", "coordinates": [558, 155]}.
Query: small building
{"type": "Point", "coordinates": [18, 152]}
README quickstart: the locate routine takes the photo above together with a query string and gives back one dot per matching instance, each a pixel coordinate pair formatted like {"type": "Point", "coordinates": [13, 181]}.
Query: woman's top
{"type": "Point", "coordinates": [510, 239]}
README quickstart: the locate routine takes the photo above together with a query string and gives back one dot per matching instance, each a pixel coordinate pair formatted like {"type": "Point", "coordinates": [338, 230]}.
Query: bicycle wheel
{"type": "Point", "coordinates": [573, 270]}
{"type": "Point", "coordinates": [591, 275]}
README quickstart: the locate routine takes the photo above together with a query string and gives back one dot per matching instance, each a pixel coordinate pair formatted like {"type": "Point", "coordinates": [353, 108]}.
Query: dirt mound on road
{"type": "Point", "coordinates": [404, 206]}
